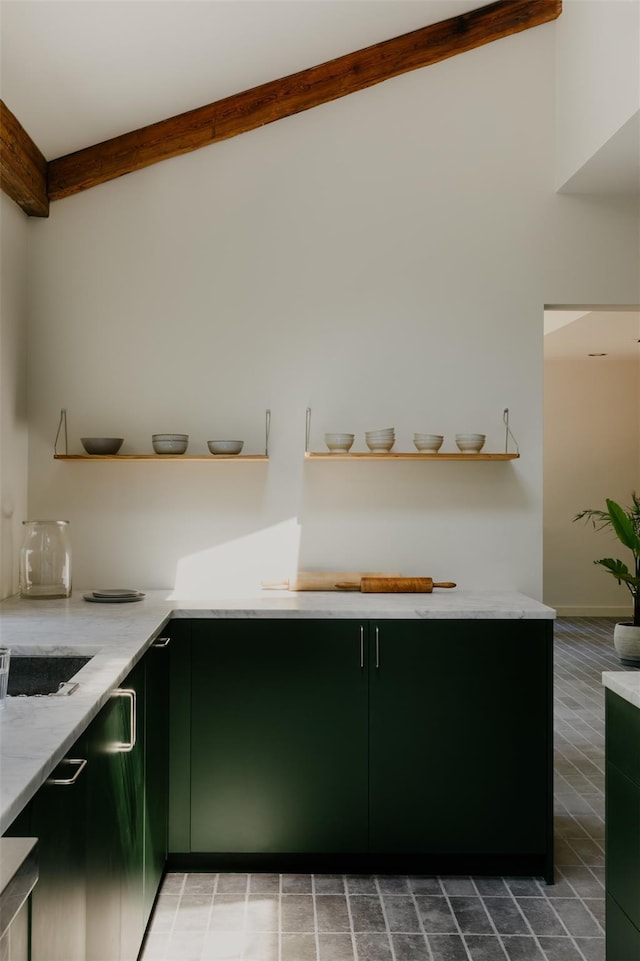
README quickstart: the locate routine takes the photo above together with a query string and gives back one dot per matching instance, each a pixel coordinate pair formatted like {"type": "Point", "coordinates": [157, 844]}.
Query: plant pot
{"type": "Point", "coordinates": [626, 640]}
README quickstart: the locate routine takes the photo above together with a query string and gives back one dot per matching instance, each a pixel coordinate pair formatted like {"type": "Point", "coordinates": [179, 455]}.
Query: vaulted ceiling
{"type": "Point", "coordinates": [78, 74]}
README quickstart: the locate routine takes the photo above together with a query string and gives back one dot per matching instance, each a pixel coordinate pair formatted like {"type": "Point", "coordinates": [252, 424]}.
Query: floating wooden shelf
{"type": "Point", "coordinates": [190, 457]}
{"type": "Point", "coordinates": [312, 455]}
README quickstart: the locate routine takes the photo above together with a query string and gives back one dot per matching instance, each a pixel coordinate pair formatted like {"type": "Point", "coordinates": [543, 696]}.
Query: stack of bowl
{"type": "Point", "coordinates": [170, 443]}
{"type": "Point", "coordinates": [380, 441]}
{"type": "Point", "coordinates": [339, 443]}
{"type": "Point", "coordinates": [428, 443]}
{"type": "Point", "coordinates": [470, 443]}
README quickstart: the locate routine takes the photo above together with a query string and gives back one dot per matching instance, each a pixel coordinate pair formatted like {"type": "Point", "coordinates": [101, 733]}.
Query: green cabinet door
{"type": "Point", "coordinates": [279, 736]}
{"type": "Point", "coordinates": [58, 901]}
{"type": "Point", "coordinates": [156, 769]}
{"type": "Point", "coordinates": [460, 715]}
{"type": "Point", "coordinates": [622, 794]}
{"type": "Point", "coordinates": [115, 838]}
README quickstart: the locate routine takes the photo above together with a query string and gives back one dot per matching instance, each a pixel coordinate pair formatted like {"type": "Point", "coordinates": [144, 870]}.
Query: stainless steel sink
{"type": "Point", "coordinates": [41, 674]}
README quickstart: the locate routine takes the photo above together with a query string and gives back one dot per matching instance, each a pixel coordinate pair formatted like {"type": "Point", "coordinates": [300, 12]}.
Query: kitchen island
{"type": "Point", "coordinates": [36, 732]}
{"type": "Point", "coordinates": [291, 731]}
{"type": "Point", "coordinates": [622, 799]}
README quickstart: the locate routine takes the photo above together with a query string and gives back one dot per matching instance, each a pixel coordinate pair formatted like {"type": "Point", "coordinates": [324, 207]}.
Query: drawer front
{"type": "Point", "coordinates": [623, 736]}
{"type": "Point", "coordinates": [623, 842]}
{"type": "Point", "coordinates": [623, 938]}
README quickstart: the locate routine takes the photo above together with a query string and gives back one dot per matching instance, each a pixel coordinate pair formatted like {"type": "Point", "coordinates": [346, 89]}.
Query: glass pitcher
{"type": "Point", "coordinates": [45, 560]}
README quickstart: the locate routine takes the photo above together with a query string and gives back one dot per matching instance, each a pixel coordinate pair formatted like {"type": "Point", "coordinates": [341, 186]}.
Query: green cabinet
{"type": "Point", "coordinates": [58, 902]}
{"type": "Point", "coordinates": [622, 793]}
{"type": "Point", "coordinates": [279, 742]}
{"type": "Point", "coordinates": [460, 729]}
{"type": "Point", "coordinates": [115, 840]}
{"type": "Point", "coordinates": [417, 744]}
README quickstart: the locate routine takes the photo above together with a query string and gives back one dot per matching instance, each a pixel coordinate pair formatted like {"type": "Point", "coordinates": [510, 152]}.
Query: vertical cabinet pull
{"type": "Point", "coordinates": [361, 646]}
{"type": "Point", "coordinates": [123, 747]}
{"type": "Point", "coordinates": [64, 781]}
{"type": "Point", "coordinates": [377, 647]}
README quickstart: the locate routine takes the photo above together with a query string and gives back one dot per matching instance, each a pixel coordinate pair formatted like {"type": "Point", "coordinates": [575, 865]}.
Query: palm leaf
{"type": "Point", "coordinates": [623, 526]}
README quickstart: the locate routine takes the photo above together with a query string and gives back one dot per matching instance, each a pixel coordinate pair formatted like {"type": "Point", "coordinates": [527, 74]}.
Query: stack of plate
{"type": "Point", "coordinates": [117, 595]}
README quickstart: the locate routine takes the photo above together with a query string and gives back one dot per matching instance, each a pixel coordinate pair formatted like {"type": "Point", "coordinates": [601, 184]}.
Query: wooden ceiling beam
{"type": "Point", "coordinates": [290, 95]}
{"type": "Point", "coordinates": [23, 168]}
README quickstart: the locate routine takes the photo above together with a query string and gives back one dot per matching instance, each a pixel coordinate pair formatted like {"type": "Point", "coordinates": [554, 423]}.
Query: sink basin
{"type": "Point", "coordinates": [33, 674]}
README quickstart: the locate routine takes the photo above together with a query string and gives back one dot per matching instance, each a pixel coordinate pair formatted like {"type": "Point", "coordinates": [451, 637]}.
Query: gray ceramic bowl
{"type": "Point", "coordinates": [225, 446]}
{"type": "Point", "coordinates": [102, 445]}
{"type": "Point", "coordinates": [170, 443]}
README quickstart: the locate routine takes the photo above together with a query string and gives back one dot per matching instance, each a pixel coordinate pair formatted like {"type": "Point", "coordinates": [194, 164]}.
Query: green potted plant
{"type": "Point", "coordinates": [625, 522]}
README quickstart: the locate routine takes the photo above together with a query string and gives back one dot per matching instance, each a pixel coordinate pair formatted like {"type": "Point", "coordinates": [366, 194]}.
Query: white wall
{"type": "Point", "coordinates": [384, 259]}
{"type": "Point", "coordinates": [598, 79]}
{"type": "Point", "coordinates": [13, 389]}
{"type": "Point", "coordinates": [592, 449]}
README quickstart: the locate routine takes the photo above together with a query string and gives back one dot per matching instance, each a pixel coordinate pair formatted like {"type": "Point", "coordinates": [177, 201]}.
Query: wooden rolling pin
{"type": "Point", "coordinates": [393, 585]}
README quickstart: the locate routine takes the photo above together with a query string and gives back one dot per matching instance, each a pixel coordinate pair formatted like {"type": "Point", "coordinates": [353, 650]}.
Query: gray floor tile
{"type": "Point", "coordinates": [436, 915]}
{"type": "Point", "coordinates": [425, 885]}
{"type": "Point", "coordinates": [262, 913]}
{"type": "Point", "coordinates": [260, 947]}
{"type": "Point", "coordinates": [298, 947]}
{"type": "Point", "coordinates": [559, 949]}
{"type": "Point", "coordinates": [373, 947]}
{"type": "Point", "coordinates": [393, 885]}
{"type": "Point", "coordinates": [471, 915]}
{"type": "Point", "coordinates": [366, 913]}
{"type": "Point", "coordinates": [264, 883]}
{"type": "Point", "coordinates": [296, 912]}
{"type": "Point", "coordinates": [521, 948]}
{"type": "Point", "coordinates": [505, 915]}
{"type": "Point", "coordinates": [335, 947]}
{"type": "Point", "coordinates": [577, 919]}
{"type": "Point", "coordinates": [447, 947]}
{"type": "Point", "coordinates": [223, 946]}
{"type": "Point", "coordinates": [484, 947]}
{"type": "Point", "coordinates": [296, 883]}
{"type": "Point", "coordinates": [401, 914]}
{"type": "Point", "coordinates": [458, 886]}
{"type": "Point", "coordinates": [593, 949]}
{"type": "Point", "coordinates": [332, 912]}
{"type": "Point", "coordinates": [492, 886]}
{"type": "Point", "coordinates": [541, 916]}
{"type": "Point", "coordinates": [361, 884]}
{"type": "Point", "coordinates": [227, 913]}
{"type": "Point", "coordinates": [410, 947]}
{"type": "Point", "coordinates": [232, 884]}
{"type": "Point", "coordinates": [329, 883]}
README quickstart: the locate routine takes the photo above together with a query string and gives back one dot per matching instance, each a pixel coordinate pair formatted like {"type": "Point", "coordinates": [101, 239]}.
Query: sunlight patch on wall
{"type": "Point", "coordinates": [236, 568]}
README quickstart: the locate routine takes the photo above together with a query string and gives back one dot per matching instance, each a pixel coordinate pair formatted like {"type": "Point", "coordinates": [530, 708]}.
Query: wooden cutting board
{"type": "Point", "coordinates": [323, 580]}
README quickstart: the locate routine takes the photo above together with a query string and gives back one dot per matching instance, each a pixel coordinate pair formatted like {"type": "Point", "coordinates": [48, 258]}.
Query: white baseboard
{"type": "Point", "coordinates": [624, 613]}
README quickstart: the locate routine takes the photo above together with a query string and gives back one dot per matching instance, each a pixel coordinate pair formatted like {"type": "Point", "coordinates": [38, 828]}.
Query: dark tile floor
{"type": "Point", "coordinates": [267, 917]}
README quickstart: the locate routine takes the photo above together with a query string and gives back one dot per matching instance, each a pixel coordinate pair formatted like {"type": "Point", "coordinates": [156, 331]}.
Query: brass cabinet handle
{"type": "Point", "coordinates": [377, 647]}
{"type": "Point", "coordinates": [361, 646]}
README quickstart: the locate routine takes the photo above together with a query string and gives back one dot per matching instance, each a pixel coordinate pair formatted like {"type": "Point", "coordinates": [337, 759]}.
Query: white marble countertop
{"type": "Point", "coordinates": [624, 683]}
{"type": "Point", "coordinates": [35, 733]}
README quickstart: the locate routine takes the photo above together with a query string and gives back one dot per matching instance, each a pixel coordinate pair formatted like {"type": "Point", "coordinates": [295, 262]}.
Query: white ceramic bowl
{"type": "Point", "coordinates": [470, 443]}
{"type": "Point", "coordinates": [339, 443]}
{"type": "Point", "coordinates": [102, 445]}
{"type": "Point", "coordinates": [225, 446]}
{"type": "Point", "coordinates": [380, 446]}
{"type": "Point", "coordinates": [170, 443]}
{"type": "Point", "coordinates": [377, 437]}
{"type": "Point", "coordinates": [428, 443]}
{"type": "Point", "coordinates": [385, 432]}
